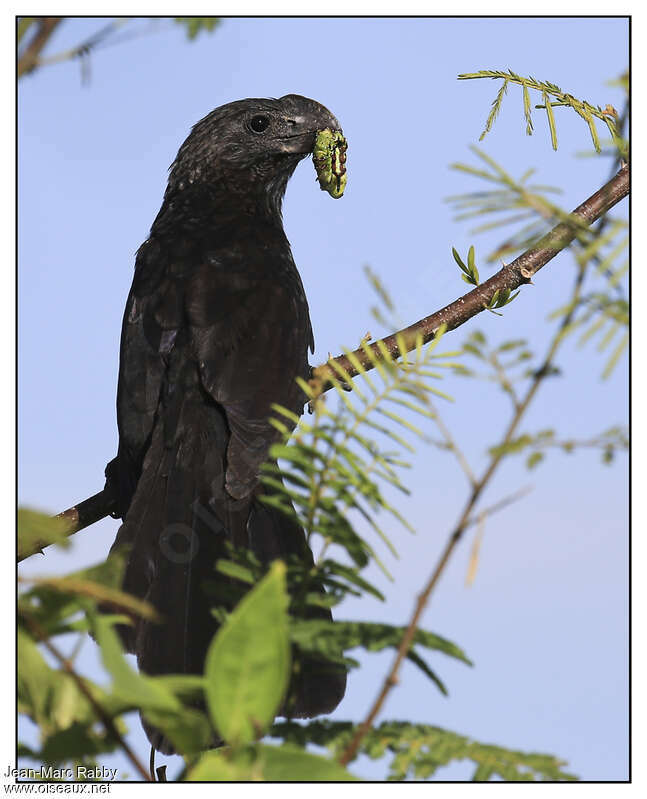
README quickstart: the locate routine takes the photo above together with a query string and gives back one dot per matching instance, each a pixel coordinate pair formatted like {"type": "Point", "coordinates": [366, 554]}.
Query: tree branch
{"type": "Point", "coordinates": [28, 61]}
{"type": "Point", "coordinates": [514, 275]}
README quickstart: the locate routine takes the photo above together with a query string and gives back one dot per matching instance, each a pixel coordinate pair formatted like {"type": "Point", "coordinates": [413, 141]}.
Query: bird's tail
{"type": "Point", "coordinates": [179, 523]}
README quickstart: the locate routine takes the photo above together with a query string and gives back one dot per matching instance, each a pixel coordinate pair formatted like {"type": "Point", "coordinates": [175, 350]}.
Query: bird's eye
{"type": "Point", "coordinates": [259, 123]}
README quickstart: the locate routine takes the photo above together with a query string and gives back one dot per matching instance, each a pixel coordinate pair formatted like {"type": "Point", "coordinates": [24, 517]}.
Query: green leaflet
{"type": "Point", "coordinates": [329, 157]}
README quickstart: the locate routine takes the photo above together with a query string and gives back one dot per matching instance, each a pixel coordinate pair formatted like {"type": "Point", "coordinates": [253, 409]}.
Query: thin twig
{"type": "Point", "coordinates": [504, 381]}
{"type": "Point", "coordinates": [465, 518]}
{"type": "Point", "coordinates": [497, 506]}
{"type": "Point", "coordinates": [86, 46]}
{"type": "Point", "coordinates": [99, 711]}
{"type": "Point", "coordinates": [512, 276]}
{"type": "Point", "coordinates": [451, 445]}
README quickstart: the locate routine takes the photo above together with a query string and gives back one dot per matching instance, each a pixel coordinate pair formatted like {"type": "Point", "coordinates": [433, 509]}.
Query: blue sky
{"type": "Point", "coordinates": [546, 619]}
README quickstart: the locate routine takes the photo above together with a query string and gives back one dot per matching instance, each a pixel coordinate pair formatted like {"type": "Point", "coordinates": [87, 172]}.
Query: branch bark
{"type": "Point", "coordinates": [512, 276]}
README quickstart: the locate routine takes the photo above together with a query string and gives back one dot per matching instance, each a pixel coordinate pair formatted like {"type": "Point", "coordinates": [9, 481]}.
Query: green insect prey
{"type": "Point", "coordinates": [329, 157]}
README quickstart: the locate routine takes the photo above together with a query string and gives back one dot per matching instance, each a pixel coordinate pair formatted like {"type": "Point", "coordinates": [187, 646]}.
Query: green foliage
{"type": "Point", "coordinates": [418, 750]}
{"type": "Point", "coordinates": [504, 364]}
{"type": "Point", "coordinates": [520, 200]}
{"type": "Point", "coordinates": [603, 310]}
{"type": "Point", "coordinates": [248, 664]}
{"type": "Point", "coordinates": [328, 639]}
{"type": "Point", "coordinates": [609, 442]}
{"type": "Point", "coordinates": [600, 252]}
{"type": "Point", "coordinates": [333, 475]}
{"type": "Point", "coordinates": [286, 763]}
{"type": "Point", "coordinates": [337, 462]}
{"type": "Point", "coordinates": [67, 707]}
{"type": "Point", "coordinates": [66, 720]}
{"type": "Point", "coordinates": [509, 366]}
{"type": "Point", "coordinates": [552, 97]}
{"type": "Point", "coordinates": [604, 317]}
{"type": "Point", "coordinates": [195, 25]}
{"type": "Point", "coordinates": [158, 699]}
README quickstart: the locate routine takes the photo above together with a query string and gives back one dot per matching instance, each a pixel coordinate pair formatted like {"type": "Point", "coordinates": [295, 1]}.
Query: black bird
{"type": "Point", "coordinates": [216, 328]}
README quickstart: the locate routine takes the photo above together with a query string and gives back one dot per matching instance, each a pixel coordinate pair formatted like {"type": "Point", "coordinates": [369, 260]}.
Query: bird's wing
{"type": "Point", "coordinates": [152, 319]}
{"type": "Point", "coordinates": [248, 365]}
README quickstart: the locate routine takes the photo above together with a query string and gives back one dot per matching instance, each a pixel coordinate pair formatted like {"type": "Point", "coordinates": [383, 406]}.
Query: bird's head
{"type": "Point", "coordinates": [250, 147]}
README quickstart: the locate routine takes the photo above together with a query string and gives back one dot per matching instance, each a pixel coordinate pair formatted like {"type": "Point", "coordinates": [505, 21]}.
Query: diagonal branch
{"type": "Point", "coordinates": [28, 60]}
{"type": "Point", "coordinates": [512, 276]}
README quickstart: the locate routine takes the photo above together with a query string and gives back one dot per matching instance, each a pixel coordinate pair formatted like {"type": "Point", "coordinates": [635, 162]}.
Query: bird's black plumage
{"type": "Point", "coordinates": [216, 329]}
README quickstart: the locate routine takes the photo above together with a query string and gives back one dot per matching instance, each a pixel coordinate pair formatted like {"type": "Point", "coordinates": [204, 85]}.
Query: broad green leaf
{"type": "Point", "coordinates": [98, 592]}
{"type": "Point", "coordinates": [187, 728]}
{"type": "Point", "coordinates": [218, 766]}
{"type": "Point", "coordinates": [129, 685]}
{"type": "Point", "coordinates": [285, 763]}
{"type": "Point", "coordinates": [76, 742]}
{"type": "Point", "coordinates": [35, 680]}
{"type": "Point", "coordinates": [291, 764]}
{"type": "Point", "coordinates": [247, 665]}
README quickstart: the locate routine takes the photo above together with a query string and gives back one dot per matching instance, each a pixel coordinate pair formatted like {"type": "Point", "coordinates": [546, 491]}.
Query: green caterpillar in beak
{"type": "Point", "coordinates": [329, 157]}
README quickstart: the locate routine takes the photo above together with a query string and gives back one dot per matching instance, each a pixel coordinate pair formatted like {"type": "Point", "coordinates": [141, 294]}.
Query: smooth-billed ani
{"type": "Point", "coordinates": [216, 329]}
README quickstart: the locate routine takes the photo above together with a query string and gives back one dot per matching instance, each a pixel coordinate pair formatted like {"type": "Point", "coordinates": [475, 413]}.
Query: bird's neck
{"type": "Point", "coordinates": [205, 191]}
{"type": "Point", "coordinates": [206, 204]}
